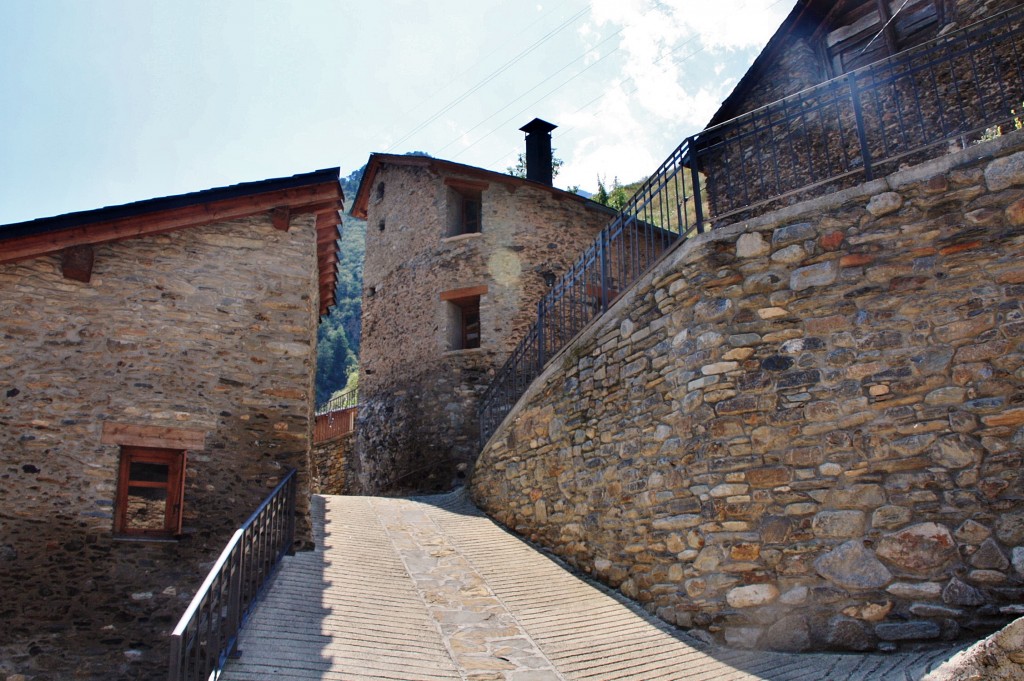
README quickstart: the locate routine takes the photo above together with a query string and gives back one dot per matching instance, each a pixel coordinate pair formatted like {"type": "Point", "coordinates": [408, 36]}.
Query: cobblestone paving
{"type": "Point", "coordinates": [429, 588]}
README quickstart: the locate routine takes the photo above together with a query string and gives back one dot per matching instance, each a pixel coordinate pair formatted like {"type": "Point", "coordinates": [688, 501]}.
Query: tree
{"type": "Point", "coordinates": [619, 195]}
{"type": "Point", "coordinates": [601, 196]}
{"type": "Point", "coordinates": [519, 169]}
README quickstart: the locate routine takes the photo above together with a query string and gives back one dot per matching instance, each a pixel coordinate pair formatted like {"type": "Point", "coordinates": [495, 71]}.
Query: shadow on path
{"type": "Point", "coordinates": [430, 588]}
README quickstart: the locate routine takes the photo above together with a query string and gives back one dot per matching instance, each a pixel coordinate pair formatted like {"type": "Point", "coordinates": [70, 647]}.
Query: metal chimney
{"type": "Point", "coordinates": [538, 150]}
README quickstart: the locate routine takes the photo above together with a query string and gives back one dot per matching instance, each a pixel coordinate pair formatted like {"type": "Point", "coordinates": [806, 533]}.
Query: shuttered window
{"type": "Point", "coordinates": [862, 32]}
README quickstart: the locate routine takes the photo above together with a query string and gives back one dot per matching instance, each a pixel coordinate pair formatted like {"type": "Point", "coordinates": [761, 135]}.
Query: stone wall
{"type": "Point", "coordinates": [208, 328]}
{"type": "Point", "coordinates": [417, 425]}
{"type": "Point", "coordinates": [331, 465]}
{"type": "Point", "coordinates": [802, 431]}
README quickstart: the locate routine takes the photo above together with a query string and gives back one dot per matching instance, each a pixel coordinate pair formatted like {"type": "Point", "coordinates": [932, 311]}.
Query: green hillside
{"type": "Point", "coordinates": [337, 347]}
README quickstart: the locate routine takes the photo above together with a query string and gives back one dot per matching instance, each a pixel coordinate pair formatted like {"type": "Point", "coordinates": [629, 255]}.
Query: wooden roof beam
{"type": "Point", "coordinates": [34, 245]}
{"type": "Point", "coordinates": [76, 263]}
{"type": "Point", "coordinates": [281, 218]}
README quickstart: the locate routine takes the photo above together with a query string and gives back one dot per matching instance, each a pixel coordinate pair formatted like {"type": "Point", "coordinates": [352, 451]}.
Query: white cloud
{"type": "Point", "coordinates": [679, 60]}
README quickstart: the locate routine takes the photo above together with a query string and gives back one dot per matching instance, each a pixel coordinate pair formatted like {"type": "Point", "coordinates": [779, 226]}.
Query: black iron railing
{"type": "Point", "coordinates": [945, 93]}
{"type": "Point", "coordinates": [662, 211]}
{"type": "Point", "coordinates": [207, 633]}
{"type": "Point", "coordinates": [951, 91]}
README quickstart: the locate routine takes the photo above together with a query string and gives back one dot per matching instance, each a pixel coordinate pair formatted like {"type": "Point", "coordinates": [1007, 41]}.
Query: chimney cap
{"type": "Point", "coordinates": [537, 125]}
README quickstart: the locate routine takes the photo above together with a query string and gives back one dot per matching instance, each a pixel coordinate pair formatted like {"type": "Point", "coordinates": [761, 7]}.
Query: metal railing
{"type": "Point", "coordinates": [864, 124]}
{"type": "Point", "coordinates": [834, 135]}
{"type": "Point", "coordinates": [663, 211]}
{"type": "Point", "coordinates": [207, 633]}
{"type": "Point", "coordinates": [337, 417]}
{"type": "Point", "coordinates": [343, 400]}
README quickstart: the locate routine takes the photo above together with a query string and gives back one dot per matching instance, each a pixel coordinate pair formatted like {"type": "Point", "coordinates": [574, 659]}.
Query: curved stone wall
{"type": "Point", "coordinates": [804, 431]}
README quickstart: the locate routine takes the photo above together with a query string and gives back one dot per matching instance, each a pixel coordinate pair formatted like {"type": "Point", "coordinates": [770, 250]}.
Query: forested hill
{"type": "Point", "coordinates": [337, 347]}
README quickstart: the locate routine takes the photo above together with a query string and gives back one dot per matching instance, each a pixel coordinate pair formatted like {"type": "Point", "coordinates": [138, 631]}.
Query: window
{"type": "Point", "coordinates": [465, 207]}
{"type": "Point", "coordinates": [467, 311]}
{"type": "Point", "coordinates": [150, 492]}
{"type": "Point", "coordinates": [859, 32]}
{"type": "Point", "coordinates": [463, 313]}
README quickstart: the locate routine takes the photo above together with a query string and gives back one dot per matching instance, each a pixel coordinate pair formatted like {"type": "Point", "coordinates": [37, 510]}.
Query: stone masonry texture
{"type": "Point", "coordinates": [208, 328]}
{"type": "Point", "coordinates": [803, 431]}
{"type": "Point", "coordinates": [417, 425]}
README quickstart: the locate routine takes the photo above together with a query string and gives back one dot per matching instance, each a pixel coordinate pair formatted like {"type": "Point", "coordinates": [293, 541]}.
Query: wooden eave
{"type": "Point", "coordinates": [448, 169]}
{"type": "Point", "coordinates": [322, 197]}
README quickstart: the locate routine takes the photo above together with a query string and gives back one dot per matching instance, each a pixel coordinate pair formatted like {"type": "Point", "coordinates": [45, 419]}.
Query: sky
{"type": "Point", "coordinates": [106, 102]}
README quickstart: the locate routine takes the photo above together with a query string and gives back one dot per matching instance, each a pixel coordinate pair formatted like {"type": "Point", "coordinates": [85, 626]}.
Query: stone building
{"type": "Point", "coordinates": [457, 259]}
{"type": "Point", "coordinates": [156, 381]}
{"type": "Point", "coordinates": [828, 72]}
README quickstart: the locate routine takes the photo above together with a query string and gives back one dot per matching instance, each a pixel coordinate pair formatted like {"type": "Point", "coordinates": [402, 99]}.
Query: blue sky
{"type": "Point", "coordinates": [111, 101]}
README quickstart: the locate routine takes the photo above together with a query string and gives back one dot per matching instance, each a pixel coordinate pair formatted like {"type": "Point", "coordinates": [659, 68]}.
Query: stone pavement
{"type": "Point", "coordinates": [430, 588]}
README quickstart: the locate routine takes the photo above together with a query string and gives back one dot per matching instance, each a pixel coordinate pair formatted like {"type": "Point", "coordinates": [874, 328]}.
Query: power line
{"type": "Point", "coordinates": [567, 65]}
{"type": "Point", "coordinates": [529, 106]}
{"type": "Point", "coordinates": [563, 132]}
{"type": "Point", "coordinates": [494, 74]}
{"type": "Point", "coordinates": [450, 82]}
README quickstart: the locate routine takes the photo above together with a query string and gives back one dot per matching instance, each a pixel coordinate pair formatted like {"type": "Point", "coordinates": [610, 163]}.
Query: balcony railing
{"type": "Point", "coordinates": [949, 92]}
{"type": "Point", "coordinates": [337, 417]}
{"type": "Point", "coordinates": [207, 634]}
{"type": "Point", "coordinates": [865, 124]}
{"type": "Point", "coordinates": [343, 400]}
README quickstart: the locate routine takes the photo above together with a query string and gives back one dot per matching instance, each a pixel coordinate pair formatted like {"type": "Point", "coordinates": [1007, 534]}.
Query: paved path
{"type": "Point", "coordinates": [429, 588]}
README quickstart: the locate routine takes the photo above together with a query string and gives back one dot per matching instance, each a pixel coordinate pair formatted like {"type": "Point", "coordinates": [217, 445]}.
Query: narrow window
{"type": "Point", "coordinates": [465, 323]}
{"type": "Point", "coordinates": [380, 191]}
{"type": "Point", "coordinates": [465, 207]}
{"type": "Point", "coordinates": [470, 213]}
{"type": "Point", "coordinates": [150, 492]}
{"type": "Point", "coordinates": [463, 316]}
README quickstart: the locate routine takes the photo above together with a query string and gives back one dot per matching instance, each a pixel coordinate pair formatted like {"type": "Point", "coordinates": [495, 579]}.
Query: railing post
{"type": "Point", "coordinates": [174, 672]}
{"type": "Point", "coordinates": [235, 575]}
{"type": "Point", "coordinates": [698, 207]}
{"type": "Point", "coordinates": [602, 255]}
{"type": "Point", "coordinates": [858, 113]}
{"type": "Point", "coordinates": [293, 486]}
{"type": "Point", "coordinates": [541, 353]}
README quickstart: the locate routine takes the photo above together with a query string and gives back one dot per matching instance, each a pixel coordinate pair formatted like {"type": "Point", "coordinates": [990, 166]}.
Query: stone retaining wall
{"type": "Point", "coordinates": [803, 431]}
{"type": "Point", "coordinates": [331, 465]}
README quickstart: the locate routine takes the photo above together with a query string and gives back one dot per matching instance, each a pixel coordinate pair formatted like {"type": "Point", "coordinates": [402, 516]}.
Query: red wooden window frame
{"type": "Point", "coordinates": [174, 460]}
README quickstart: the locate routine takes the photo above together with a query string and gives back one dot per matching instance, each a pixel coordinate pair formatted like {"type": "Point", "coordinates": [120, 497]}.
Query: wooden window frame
{"type": "Point", "coordinates": [465, 207]}
{"type": "Point", "coordinates": [175, 460]}
{"type": "Point", "coordinates": [892, 43]}
{"type": "Point", "coordinates": [464, 304]}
